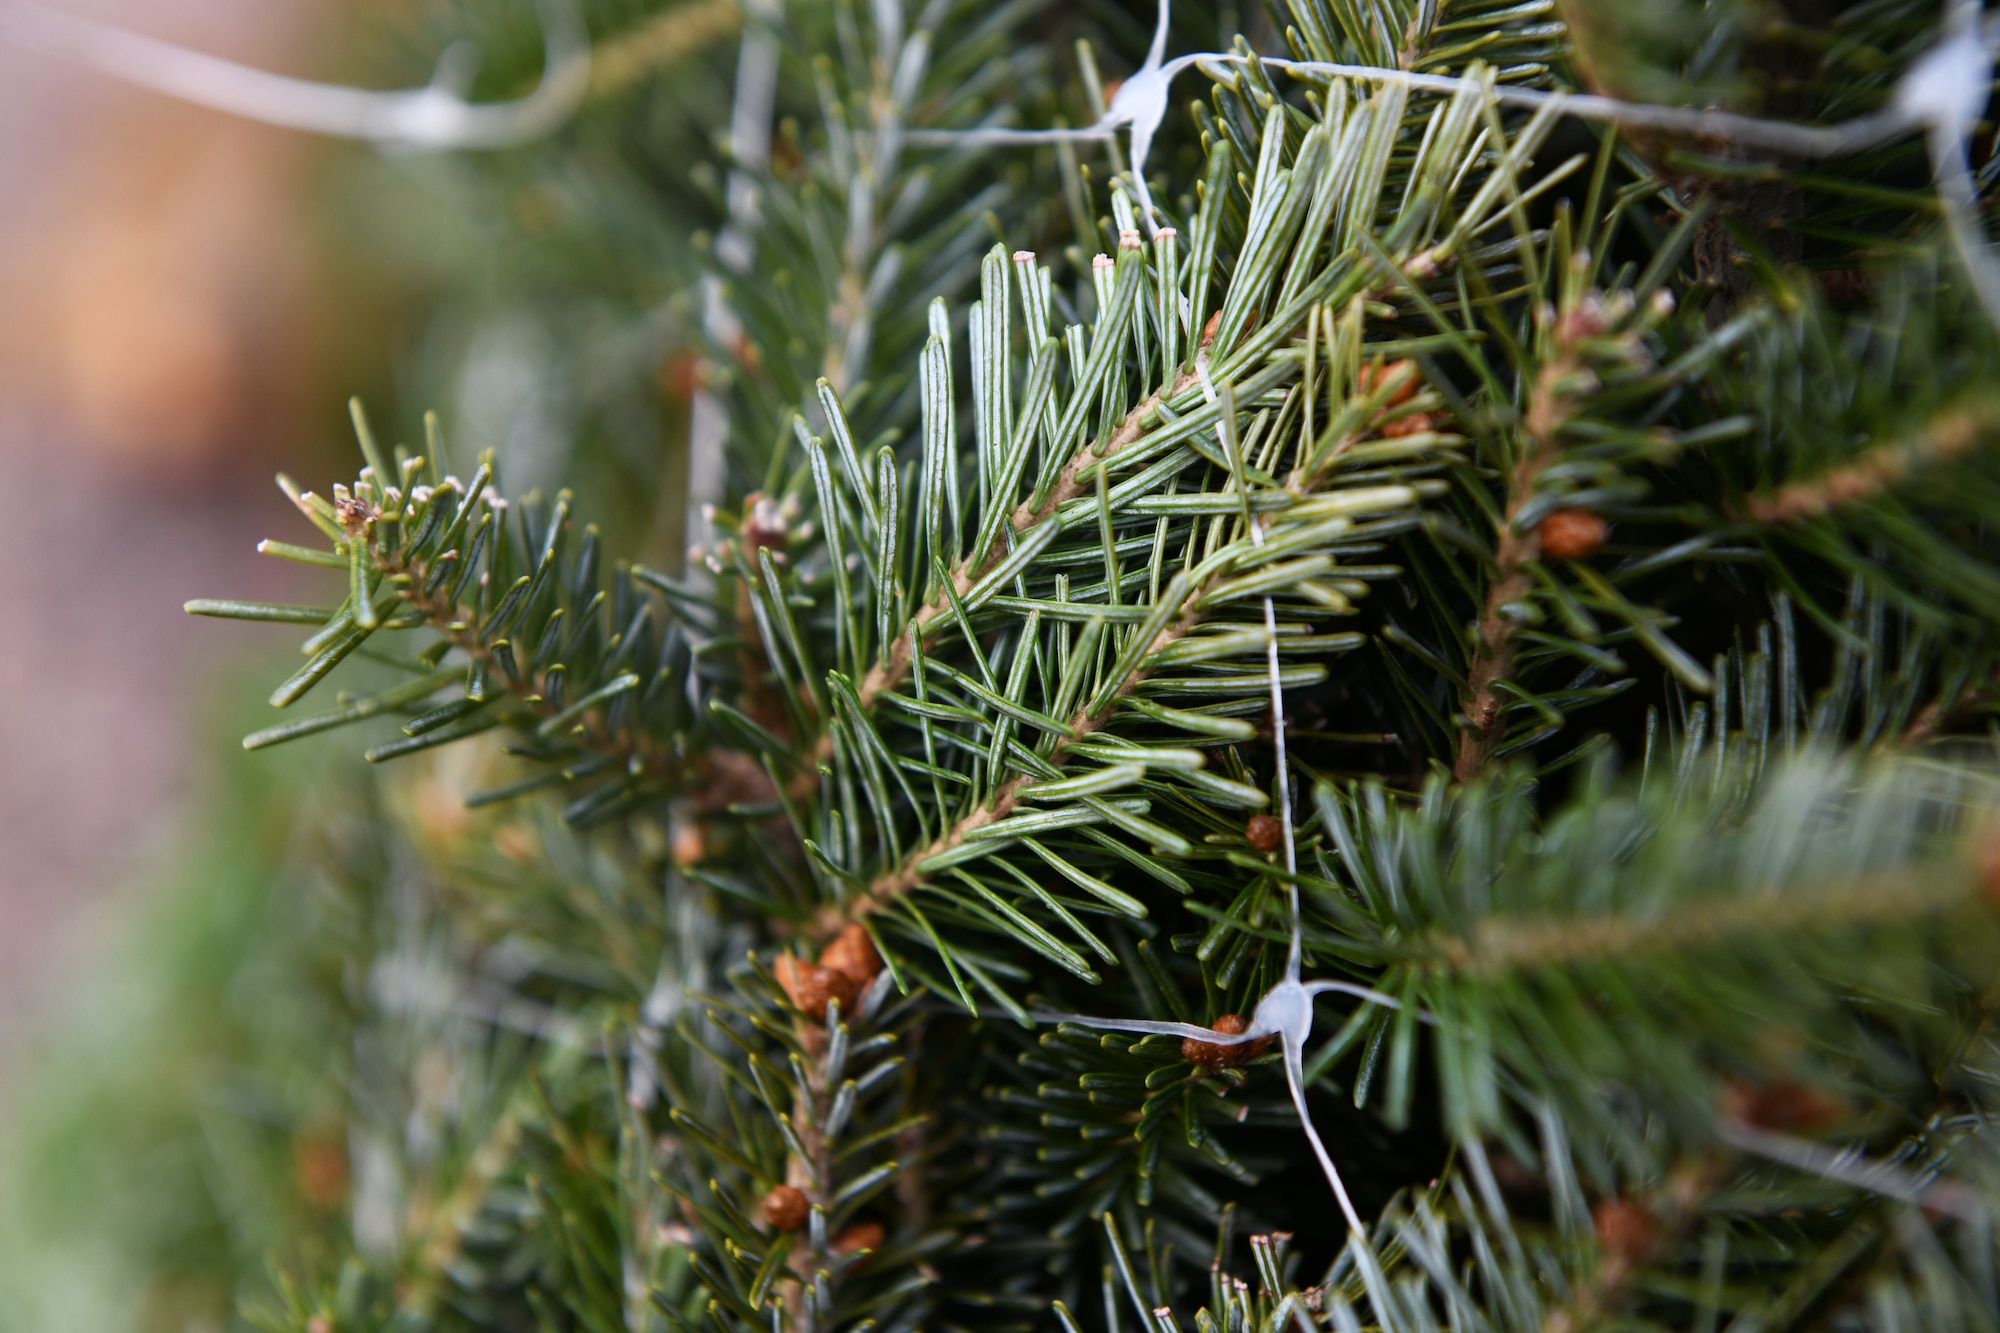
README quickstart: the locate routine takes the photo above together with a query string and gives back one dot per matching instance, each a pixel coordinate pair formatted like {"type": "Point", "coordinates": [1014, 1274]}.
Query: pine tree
{"type": "Point", "coordinates": [1530, 577]}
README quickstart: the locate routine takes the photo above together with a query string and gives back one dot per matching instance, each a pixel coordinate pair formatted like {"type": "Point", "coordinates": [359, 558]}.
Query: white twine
{"type": "Point", "coordinates": [432, 118]}
{"type": "Point", "coordinates": [735, 249]}
{"type": "Point", "coordinates": [1943, 93]}
{"type": "Point", "coordinates": [1286, 1010]}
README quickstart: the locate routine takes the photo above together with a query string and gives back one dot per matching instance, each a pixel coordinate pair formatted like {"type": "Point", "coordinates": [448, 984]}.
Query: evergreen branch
{"type": "Point", "coordinates": [827, 1094]}
{"type": "Point", "coordinates": [618, 65]}
{"type": "Point", "coordinates": [1549, 405]}
{"type": "Point", "coordinates": [1501, 945]}
{"type": "Point", "coordinates": [445, 1229]}
{"type": "Point", "coordinates": [890, 672]}
{"type": "Point", "coordinates": [1177, 601]}
{"type": "Point", "coordinates": [1264, 369]}
{"type": "Point", "coordinates": [1180, 608]}
{"type": "Point", "coordinates": [1889, 489]}
{"type": "Point", "coordinates": [584, 695]}
{"type": "Point", "coordinates": [1577, 342]}
{"type": "Point", "coordinates": [1694, 893]}
{"type": "Point", "coordinates": [586, 720]}
{"type": "Point", "coordinates": [1948, 435]}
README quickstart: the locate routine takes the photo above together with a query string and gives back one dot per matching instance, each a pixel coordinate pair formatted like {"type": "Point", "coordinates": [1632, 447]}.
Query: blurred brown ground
{"type": "Point", "coordinates": [157, 356]}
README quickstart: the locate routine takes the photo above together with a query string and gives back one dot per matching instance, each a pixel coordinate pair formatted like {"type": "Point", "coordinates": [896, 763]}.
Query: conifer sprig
{"type": "Point", "coordinates": [585, 675]}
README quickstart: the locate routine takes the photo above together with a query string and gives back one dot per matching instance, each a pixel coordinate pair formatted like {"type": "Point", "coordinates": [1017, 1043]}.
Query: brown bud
{"type": "Point", "coordinates": [852, 954]}
{"type": "Point", "coordinates": [786, 1208]}
{"type": "Point", "coordinates": [1265, 833]}
{"type": "Point", "coordinates": [1374, 374]}
{"type": "Point", "coordinates": [1571, 534]}
{"type": "Point", "coordinates": [859, 1236]}
{"type": "Point", "coordinates": [1215, 322]}
{"type": "Point", "coordinates": [785, 156]}
{"type": "Point", "coordinates": [689, 846]}
{"type": "Point", "coordinates": [1220, 1055]}
{"type": "Point", "coordinates": [1588, 318]}
{"type": "Point", "coordinates": [1416, 423]}
{"type": "Point", "coordinates": [809, 986]}
{"type": "Point", "coordinates": [1625, 1228]}
{"type": "Point", "coordinates": [1782, 1105]}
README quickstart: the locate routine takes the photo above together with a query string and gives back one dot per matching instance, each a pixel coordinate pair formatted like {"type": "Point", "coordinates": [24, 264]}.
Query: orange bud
{"type": "Point", "coordinates": [1374, 374]}
{"type": "Point", "coordinates": [689, 846]}
{"type": "Point", "coordinates": [680, 375]}
{"type": "Point", "coordinates": [1416, 423]}
{"type": "Point", "coordinates": [786, 1209]}
{"type": "Point", "coordinates": [1218, 1055]}
{"type": "Point", "coordinates": [1265, 833]}
{"type": "Point", "coordinates": [859, 1236]}
{"type": "Point", "coordinates": [852, 954]}
{"type": "Point", "coordinates": [809, 986]}
{"type": "Point", "coordinates": [1989, 865]}
{"type": "Point", "coordinates": [319, 1167]}
{"type": "Point", "coordinates": [1572, 534]}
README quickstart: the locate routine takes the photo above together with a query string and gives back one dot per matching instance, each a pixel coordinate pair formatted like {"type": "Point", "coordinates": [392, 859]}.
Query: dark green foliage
{"type": "Point", "coordinates": [1631, 598]}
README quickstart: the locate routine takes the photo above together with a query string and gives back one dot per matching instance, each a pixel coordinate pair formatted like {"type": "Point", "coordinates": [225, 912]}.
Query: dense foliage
{"type": "Point", "coordinates": [1610, 513]}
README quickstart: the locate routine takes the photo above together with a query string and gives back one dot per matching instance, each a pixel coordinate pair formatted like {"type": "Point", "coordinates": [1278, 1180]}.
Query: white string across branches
{"type": "Point", "coordinates": [1943, 94]}
{"type": "Point", "coordinates": [1286, 1010]}
{"type": "Point", "coordinates": [431, 118]}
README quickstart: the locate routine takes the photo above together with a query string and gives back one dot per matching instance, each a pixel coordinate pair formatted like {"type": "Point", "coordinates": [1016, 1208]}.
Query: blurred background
{"type": "Point", "coordinates": [160, 340]}
{"type": "Point", "coordinates": [186, 302]}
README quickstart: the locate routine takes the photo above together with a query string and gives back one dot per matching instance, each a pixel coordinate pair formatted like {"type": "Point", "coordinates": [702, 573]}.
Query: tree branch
{"type": "Point", "coordinates": [460, 627]}
{"type": "Point", "coordinates": [1493, 659]}
{"type": "Point", "coordinates": [906, 876]}
{"type": "Point", "coordinates": [1949, 434]}
{"type": "Point", "coordinates": [889, 673]}
{"type": "Point", "coordinates": [1499, 945]}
